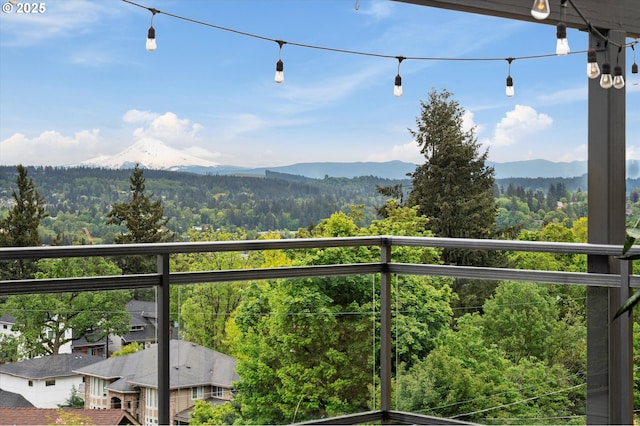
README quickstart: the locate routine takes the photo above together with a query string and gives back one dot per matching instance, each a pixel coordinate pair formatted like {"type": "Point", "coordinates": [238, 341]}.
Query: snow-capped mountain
{"type": "Point", "coordinates": [150, 154]}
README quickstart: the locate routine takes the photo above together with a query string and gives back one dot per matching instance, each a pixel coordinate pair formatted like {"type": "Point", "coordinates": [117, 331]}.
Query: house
{"type": "Point", "coordinates": [47, 381]}
{"type": "Point", "coordinates": [12, 399]}
{"type": "Point", "coordinates": [142, 329]}
{"type": "Point", "coordinates": [131, 382]}
{"type": "Point", "coordinates": [48, 416]}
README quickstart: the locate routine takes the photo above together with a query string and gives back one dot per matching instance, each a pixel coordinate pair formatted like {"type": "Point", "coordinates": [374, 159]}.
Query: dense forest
{"type": "Point", "coordinates": [77, 200]}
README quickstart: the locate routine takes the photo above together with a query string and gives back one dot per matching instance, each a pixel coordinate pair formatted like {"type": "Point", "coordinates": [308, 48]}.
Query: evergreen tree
{"type": "Point", "coordinates": [145, 223]}
{"type": "Point", "coordinates": [454, 187]}
{"type": "Point", "coordinates": [20, 227]}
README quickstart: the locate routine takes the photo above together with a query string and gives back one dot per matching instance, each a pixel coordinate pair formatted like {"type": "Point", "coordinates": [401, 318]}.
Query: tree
{"type": "Point", "coordinates": [145, 223]}
{"type": "Point", "coordinates": [20, 227]}
{"type": "Point", "coordinates": [74, 400]}
{"type": "Point", "coordinates": [47, 321]}
{"type": "Point", "coordinates": [454, 187]}
{"type": "Point", "coordinates": [129, 349]}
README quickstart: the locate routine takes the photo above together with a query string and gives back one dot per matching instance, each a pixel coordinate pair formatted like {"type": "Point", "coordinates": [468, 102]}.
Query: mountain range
{"type": "Point", "coordinates": [153, 154]}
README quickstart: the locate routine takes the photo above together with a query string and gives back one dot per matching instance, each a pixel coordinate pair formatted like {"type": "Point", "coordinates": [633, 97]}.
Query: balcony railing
{"type": "Point", "coordinates": [386, 267]}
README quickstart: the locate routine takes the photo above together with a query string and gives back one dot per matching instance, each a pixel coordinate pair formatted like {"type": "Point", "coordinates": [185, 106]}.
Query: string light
{"type": "Point", "coordinates": [540, 9]}
{"type": "Point", "coordinates": [279, 78]}
{"type": "Point", "coordinates": [397, 86]}
{"type": "Point", "coordinates": [593, 70]}
{"type": "Point", "coordinates": [151, 34]}
{"type": "Point", "coordinates": [618, 79]}
{"type": "Point", "coordinates": [562, 44]}
{"type": "Point", "coordinates": [509, 89]}
{"type": "Point", "coordinates": [606, 81]}
{"type": "Point", "coordinates": [635, 80]}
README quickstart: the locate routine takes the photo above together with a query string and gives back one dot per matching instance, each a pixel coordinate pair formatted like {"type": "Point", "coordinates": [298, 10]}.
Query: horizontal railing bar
{"type": "Point", "coordinates": [61, 285]}
{"type": "Point", "coordinates": [484, 273]}
{"type": "Point", "coordinates": [512, 245]}
{"type": "Point", "coordinates": [12, 253]}
{"type": "Point", "coordinates": [272, 273]}
{"type": "Point", "coordinates": [42, 252]}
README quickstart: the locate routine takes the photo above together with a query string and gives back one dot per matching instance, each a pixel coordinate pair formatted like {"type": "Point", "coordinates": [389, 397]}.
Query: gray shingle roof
{"type": "Point", "coordinates": [11, 399]}
{"type": "Point", "coordinates": [191, 365]}
{"type": "Point", "coordinates": [61, 365]}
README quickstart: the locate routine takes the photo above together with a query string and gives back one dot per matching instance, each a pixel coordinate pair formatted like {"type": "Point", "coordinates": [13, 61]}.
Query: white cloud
{"type": "Point", "coordinates": [409, 152]}
{"type": "Point", "coordinates": [168, 128]}
{"type": "Point", "coordinates": [49, 148]}
{"type": "Point", "coordinates": [521, 122]}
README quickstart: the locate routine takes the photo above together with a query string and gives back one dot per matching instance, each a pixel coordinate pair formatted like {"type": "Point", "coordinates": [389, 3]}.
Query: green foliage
{"type": "Point", "coordinates": [20, 226]}
{"type": "Point", "coordinates": [74, 400]}
{"type": "Point", "coordinates": [69, 417]}
{"type": "Point", "coordinates": [129, 349]}
{"type": "Point", "coordinates": [304, 346]}
{"type": "Point", "coordinates": [45, 321]}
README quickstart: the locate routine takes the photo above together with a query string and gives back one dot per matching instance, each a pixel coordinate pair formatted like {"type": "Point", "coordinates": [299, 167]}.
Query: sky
{"type": "Point", "coordinates": [76, 82]}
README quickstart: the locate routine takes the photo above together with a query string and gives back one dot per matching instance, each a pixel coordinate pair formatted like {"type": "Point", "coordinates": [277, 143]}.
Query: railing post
{"type": "Point", "coordinates": [385, 327]}
{"type": "Point", "coordinates": [623, 361]}
{"type": "Point", "coordinates": [163, 340]}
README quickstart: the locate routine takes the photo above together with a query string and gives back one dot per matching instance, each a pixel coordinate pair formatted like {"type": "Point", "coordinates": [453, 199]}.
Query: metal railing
{"type": "Point", "coordinates": [386, 267]}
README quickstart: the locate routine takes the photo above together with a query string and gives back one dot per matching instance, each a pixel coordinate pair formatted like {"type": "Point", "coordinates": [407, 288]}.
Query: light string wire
{"type": "Point", "coordinates": [348, 51]}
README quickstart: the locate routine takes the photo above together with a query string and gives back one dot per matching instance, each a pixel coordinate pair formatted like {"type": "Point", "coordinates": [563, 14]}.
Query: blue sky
{"type": "Point", "coordinates": [76, 82]}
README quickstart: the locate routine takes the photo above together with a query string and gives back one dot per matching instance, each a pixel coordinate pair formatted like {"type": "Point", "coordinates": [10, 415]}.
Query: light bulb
{"type": "Point", "coordinates": [618, 79]}
{"type": "Point", "coordinates": [540, 9]}
{"type": "Point", "coordinates": [606, 81]}
{"type": "Point", "coordinates": [593, 70]}
{"type": "Point", "coordinates": [151, 39]}
{"type": "Point", "coordinates": [397, 87]}
{"type": "Point", "coordinates": [562, 45]}
{"type": "Point", "coordinates": [510, 90]}
{"type": "Point", "coordinates": [279, 78]}
{"type": "Point", "coordinates": [635, 80]}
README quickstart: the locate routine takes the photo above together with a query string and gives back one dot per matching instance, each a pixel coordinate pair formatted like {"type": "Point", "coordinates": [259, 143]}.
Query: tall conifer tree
{"type": "Point", "coordinates": [20, 227]}
{"type": "Point", "coordinates": [454, 187]}
{"type": "Point", "coordinates": [145, 223]}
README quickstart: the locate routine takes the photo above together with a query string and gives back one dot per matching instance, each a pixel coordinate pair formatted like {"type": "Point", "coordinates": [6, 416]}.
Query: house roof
{"type": "Point", "coordinates": [7, 319]}
{"type": "Point", "coordinates": [46, 416]}
{"type": "Point", "coordinates": [11, 399]}
{"type": "Point", "coordinates": [142, 314]}
{"type": "Point", "coordinates": [61, 365]}
{"type": "Point", "coordinates": [190, 365]}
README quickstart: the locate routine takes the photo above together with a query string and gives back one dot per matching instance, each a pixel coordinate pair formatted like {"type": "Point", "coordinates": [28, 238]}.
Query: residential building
{"type": "Point", "coordinates": [46, 381]}
{"type": "Point", "coordinates": [49, 416]}
{"type": "Point", "coordinates": [130, 382]}
{"type": "Point", "coordinates": [142, 329]}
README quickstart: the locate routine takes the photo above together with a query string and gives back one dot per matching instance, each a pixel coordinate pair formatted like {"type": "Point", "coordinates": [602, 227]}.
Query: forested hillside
{"type": "Point", "coordinates": [79, 198]}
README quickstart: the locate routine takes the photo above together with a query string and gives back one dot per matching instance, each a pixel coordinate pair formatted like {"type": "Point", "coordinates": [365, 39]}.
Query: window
{"type": "Point", "coordinates": [98, 387]}
{"type": "Point", "coordinates": [151, 398]}
{"type": "Point", "coordinates": [50, 382]}
{"type": "Point", "coordinates": [217, 392]}
{"type": "Point", "coordinates": [197, 392]}
{"type": "Point", "coordinates": [30, 383]}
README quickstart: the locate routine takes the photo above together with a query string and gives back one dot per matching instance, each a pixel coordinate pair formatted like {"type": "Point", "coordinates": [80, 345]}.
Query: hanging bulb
{"type": "Point", "coordinates": [540, 9]}
{"type": "Point", "coordinates": [397, 87]}
{"type": "Point", "coordinates": [279, 78]}
{"type": "Point", "coordinates": [618, 79]}
{"type": "Point", "coordinates": [151, 39]}
{"type": "Point", "coordinates": [279, 71]}
{"type": "Point", "coordinates": [606, 81]}
{"type": "Point", "coordinates": [635, 80]}
{"type": "Point", "coordinates": [510, 91]}
{"type": "Point", "coordinates": [562, 45]}
{"type": "Point", "coordinates": [593, 70]}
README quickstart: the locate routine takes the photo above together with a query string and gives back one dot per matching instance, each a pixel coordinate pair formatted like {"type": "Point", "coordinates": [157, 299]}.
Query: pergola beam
{"type": "Point", "coordinates": [619, 15]}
